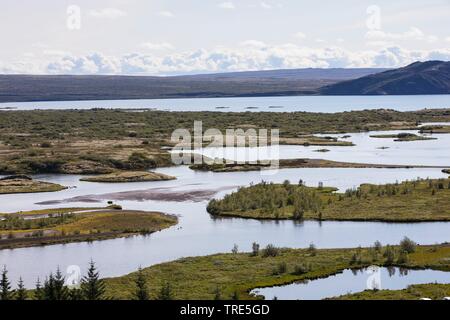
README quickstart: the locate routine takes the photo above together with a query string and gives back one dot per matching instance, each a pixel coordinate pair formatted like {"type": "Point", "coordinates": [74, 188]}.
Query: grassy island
{"type": "Point", "coordinates": [435, 129]}
{"type": "Point", "coordinates": [223, 166]}
{"type": "Point", "coordinates": [403, 137]}
{"type": "Point", "coordinates": [433, 291]}
{"type": "Point", "coordinates": [129, 176]}
{"type": "Point", "coordinates": [24, 184]}
{"type": "Point", "coordinates": [233, 276]}
{"type": "Point", "coordinates": [411, 201]}
{"type": "Point", "coordinates": [55, 226]}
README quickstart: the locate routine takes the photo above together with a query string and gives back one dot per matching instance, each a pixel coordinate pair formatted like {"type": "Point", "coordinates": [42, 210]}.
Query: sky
{"type": "Point", "coordinates": [171, 37]}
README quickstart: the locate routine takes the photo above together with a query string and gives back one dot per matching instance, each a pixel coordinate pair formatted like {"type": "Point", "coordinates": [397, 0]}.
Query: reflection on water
{"type": "Point", "coordinates": [354, 281]}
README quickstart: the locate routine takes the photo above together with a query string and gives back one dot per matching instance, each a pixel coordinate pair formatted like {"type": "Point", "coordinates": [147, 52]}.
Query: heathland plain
{"type": "Point", "coordinates": [104, 141]}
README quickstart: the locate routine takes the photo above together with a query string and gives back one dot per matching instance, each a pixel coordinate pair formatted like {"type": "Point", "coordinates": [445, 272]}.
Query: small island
{"type": "Point", "coordinates": [435, 129]}
{"type": "Point", "coordinates": [129, 176]}
{"type": "Point", "coordinates": [410, 201]}
{"type": "Point", "coordinates": [222, 165]}
{"type": "Point", "coordinates": [402, 137]}
{"type": "Point", "coordinates": [56, 226]}
{"type": "Point", "coordinates": [25, 184]}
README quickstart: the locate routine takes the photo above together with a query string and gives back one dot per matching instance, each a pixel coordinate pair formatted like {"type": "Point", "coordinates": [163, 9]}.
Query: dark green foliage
{"type": "Point", "coordinates": [269, 197]}
{"type": "Point", "coordinates": [166, 292]}
{"type": "Point", "coordinates": [389, 254]}
{"type": "Point", "coordinates": [6, 292]}
{"type": "Point", "coordinates": [270, 251]}
{"type": "Point", "coordinates": [255, 249]}
{"type": "Point", "coordinates": [39, 293]}
{"type": "Point", "coordinates": [92, 286]}
{"type": "Point", "coordinates": [21, 292]}
{"type": "Point", "coordinates": [407, 245]}
{"type": "Point", "coordinates": [141, 286]}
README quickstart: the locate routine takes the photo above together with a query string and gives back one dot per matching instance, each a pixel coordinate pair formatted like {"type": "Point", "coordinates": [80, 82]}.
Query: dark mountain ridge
{"type": "Point", "coordinates": [430, 77]}
{"type": "Point", "coordinates": [17, 88]}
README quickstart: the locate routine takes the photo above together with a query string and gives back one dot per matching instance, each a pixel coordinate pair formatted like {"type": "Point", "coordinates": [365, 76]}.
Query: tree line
{"type": "Point", "coordinates": [91, 288]}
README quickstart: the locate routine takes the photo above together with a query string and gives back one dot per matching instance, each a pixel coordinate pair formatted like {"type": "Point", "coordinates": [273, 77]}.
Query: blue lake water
{"type": "Point", "coordinates": [254, 104]}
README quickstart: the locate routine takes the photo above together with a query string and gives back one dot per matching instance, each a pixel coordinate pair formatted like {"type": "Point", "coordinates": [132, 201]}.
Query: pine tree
{"type": "Point", "coordinates": [92, 286]}
{"type": "Point", "coordinates": [49, 288]}
{"type": "Point", "coordinates": [60, 290]}
{"type": "Point", "coordinates": [75, 294]}
{"type": "Point", "coordinates": [21, 292]}
{"type": "Point", "coordinates": [166, 292]}
{"type": "Point", "coordinates": [141, 287]}
{"type": "Point", "coordinates": [39, 291]}
{"type": "Point", "coordinates": [5, 286]}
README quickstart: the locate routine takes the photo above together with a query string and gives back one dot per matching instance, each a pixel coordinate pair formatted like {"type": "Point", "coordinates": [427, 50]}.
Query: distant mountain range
{"type": "Point", "coordinates": [15, 88]}
{"type": "Point", "coordinates": [431, 77]}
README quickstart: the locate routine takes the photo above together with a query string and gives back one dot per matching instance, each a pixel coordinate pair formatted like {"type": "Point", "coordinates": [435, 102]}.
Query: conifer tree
{"type": "Point", "coordinates": [166, 292]}
{"type": "Point", "coordinates": [141, 287]}
{"type": "Point", "coordinates": [21, 292]}
{"type": "Point", "coordinates": [39, 291]}
{"type": "Point", "coordinates": [60, 290]}
{"type": "Point", "coordinates": [92, 286]}
{"type": "Point", "coordinates": [5, 286]}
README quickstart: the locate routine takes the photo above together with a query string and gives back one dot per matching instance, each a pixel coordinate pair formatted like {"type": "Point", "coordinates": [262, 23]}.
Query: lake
{"type": "Point", "coordinates": [254, 104]}
{"type": "Point", "coordinates": [200, 234]}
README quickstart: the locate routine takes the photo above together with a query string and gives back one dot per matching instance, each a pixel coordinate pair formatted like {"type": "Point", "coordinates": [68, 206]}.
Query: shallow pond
{"type": "Point", "coordinates": [354, 281]}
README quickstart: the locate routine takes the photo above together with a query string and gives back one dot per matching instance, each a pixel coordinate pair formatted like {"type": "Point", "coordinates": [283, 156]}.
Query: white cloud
{"type": "Point", "coordinates": [157, 46]}
{"type": "Point", "coordinates": [380, 37]}
{"type": "Point", "coordinates": [253, 44]}
{"type": "Point", "coordinates": [251, 55]}
{"type": "Point", "coordinates": [266, 5]}
{"type": "Point", "coordinates": [300, 35]}
{"type": "Point", "coordinates": [447, 39]}
{"type": "Point", "coordinates": [166, 14]}
{"type": "Point", "coordinates": [108, 13]}
{"type": "Point", "coordinates": [227, 5]}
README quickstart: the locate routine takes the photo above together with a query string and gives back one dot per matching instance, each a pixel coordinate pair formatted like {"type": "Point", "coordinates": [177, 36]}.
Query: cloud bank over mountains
{"type": "Point", "coordinates": [250, 55]}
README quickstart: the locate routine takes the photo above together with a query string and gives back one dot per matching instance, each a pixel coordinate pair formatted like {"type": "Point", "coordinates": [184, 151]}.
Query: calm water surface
{"type": "Point", "coordinates": [197, 228]}
{"type": "Point", "coordinates": [200, 234]}
{"type": "Point", "coordinates": [254, 104]}
{"type": "Point", "coordinates": [354, 281]}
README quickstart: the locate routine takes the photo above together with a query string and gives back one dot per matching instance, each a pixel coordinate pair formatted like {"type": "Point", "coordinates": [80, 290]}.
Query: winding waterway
{"type": "Point", "coordinates": [200, 234]}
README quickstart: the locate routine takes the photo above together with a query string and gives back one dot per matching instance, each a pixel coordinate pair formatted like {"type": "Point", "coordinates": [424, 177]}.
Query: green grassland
{"type": "Point", "coordinates": [410, 201]}
{"type": "Point", "coordinates": [432, 291]}
{"type": "Point", "coordinates": [55, 226]}
{"type": "Point", "coordinates": [237, 274]}
{"type": "Point", "coordinates": [102, 141]}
